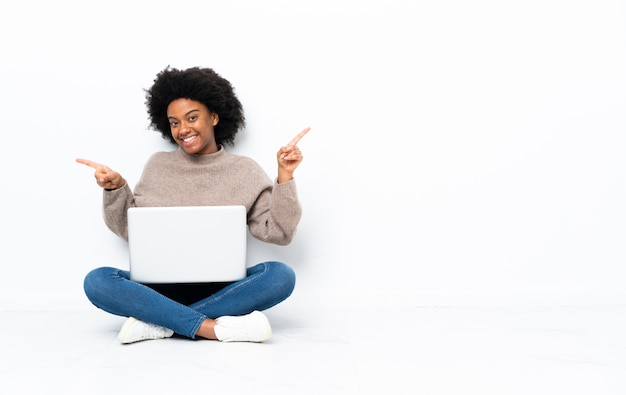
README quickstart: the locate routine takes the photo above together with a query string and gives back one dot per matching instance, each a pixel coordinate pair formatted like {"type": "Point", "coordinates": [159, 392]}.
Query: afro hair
{"type": "Point", "coordinates": [202, 85]}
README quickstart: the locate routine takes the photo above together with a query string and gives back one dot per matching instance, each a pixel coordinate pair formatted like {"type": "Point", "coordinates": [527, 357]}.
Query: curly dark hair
{"type": "Point", "coordinates": [200, 84]}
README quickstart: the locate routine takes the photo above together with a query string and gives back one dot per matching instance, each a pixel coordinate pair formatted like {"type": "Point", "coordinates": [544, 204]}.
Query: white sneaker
{"type": "Point", "coordinates": [134, 330]}
{"type": "Point", "coordinates": [253, 327]}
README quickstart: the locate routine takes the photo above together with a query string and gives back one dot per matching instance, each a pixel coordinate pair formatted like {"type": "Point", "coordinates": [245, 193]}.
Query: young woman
{"type": "Point", "coordinates": [197, 110]}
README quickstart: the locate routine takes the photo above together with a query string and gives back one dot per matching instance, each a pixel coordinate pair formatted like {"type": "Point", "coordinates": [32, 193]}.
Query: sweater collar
{"type": "Point", "coordinates": [202, 159]}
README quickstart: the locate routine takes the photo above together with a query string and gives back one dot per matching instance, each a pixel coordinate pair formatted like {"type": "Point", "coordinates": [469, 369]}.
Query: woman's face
{"type": "Point", "coordinates": [191, 124]}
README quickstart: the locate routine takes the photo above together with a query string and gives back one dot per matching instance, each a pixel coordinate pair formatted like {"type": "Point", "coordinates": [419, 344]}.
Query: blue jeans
{"type": "Point", "coordinates": [265, 285]}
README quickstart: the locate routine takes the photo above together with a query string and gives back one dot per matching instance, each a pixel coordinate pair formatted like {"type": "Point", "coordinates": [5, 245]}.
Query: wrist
{"type": "Point", "coordinates": [117, 187]}
{"type": "Point", "coordinates": [284, 177]}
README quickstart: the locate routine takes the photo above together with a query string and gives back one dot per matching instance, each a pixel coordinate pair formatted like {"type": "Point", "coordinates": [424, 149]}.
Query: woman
{"type": "Point", "coordinates": [198, 110]}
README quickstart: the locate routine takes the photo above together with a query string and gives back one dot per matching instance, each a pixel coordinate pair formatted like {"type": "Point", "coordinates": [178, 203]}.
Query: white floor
{"type": "Point", "coordinates": [421, 350]}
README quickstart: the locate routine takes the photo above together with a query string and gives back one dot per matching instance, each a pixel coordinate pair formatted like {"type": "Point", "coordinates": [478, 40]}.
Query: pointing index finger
{"type": "Point", "coordinates": [89, 163]}
{"type": "Point", "coordinates": [295, 140]}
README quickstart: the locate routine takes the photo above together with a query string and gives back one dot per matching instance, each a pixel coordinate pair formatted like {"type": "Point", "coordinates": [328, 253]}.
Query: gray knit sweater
{"type": "Point", "coordinates": [176, 178]}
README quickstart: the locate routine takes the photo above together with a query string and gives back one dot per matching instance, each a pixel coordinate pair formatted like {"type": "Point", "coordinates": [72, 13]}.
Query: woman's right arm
{"type": "Point", "coordinates": [115, 209]}
{"type": "Point", "coordinates": [117, 197]}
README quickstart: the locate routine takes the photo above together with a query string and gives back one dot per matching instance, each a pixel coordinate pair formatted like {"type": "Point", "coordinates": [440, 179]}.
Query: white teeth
{"type": "Point", "coordinates": [188, 139]}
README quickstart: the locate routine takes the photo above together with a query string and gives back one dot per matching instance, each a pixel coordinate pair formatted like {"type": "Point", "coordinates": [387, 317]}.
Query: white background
{"type": "Point", "coordinates": [460, 152]}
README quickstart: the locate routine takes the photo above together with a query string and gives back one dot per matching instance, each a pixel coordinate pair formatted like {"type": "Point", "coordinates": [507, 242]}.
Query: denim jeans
{"type": "Point", "coordinates": [265, 285]}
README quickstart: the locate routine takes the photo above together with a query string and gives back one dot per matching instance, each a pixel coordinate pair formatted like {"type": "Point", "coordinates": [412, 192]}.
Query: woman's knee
{"type": "Point", "coordinates": [283, 277]}
{"type": "Point", "coordinates": [97, 282]}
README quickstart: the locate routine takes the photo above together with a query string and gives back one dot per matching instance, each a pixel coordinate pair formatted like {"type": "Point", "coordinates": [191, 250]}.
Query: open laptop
{"type": "Point", "coordinates": [189, 244]}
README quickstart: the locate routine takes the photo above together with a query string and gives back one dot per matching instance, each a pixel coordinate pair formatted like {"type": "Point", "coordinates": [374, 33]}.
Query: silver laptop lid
{"type": "Point", "coordinates": [187, 244]}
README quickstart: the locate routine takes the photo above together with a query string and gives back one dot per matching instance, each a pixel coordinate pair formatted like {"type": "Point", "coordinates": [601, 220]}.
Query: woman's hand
{"type": "Point", "coordinates": [289, 157]}
{"type": "Point", "coordinates": [105, 177]}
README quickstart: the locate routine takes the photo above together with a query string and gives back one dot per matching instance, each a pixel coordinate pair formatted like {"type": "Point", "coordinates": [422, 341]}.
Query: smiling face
{"type": "Point", "coordinates": [191, 124]}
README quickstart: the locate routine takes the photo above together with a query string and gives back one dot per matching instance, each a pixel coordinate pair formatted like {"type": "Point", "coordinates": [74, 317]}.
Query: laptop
{"type": "Point", "coordinates": [191, 244]}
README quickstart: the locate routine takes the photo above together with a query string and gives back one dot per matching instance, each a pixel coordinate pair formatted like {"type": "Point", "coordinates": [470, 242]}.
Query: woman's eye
{"type": "Point", "coordinates": [173, 124]}
{"type": "Point", "coordinates": [192, 118]}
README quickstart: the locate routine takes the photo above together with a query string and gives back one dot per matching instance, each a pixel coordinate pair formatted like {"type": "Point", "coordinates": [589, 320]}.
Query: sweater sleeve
{"type": "Point", "coordinates": [276, 213]}
{"type": "Point", "coordinates": [115, 207]}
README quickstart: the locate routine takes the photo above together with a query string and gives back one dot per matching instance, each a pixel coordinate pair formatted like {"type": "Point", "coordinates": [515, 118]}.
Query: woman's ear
{"type": "Point", "coordinates": [216, 118]}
